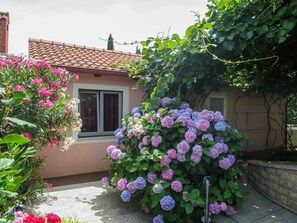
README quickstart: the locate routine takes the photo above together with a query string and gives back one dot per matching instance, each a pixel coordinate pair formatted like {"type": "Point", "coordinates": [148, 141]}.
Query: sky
{"type": "Point", "coordinates": [84, 22]}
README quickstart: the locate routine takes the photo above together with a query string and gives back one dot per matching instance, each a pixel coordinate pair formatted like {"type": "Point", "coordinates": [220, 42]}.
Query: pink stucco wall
{"type": "Point", "coordinates": [86, 157]}
{"type": "Point", "coordinates": [248, 115]}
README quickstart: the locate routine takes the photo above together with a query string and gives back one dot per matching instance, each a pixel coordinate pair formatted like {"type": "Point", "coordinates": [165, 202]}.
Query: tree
{"type": "Point", "coordinates": [110, 45]}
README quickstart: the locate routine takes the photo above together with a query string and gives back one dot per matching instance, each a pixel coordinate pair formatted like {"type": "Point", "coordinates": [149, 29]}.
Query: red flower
{"type": "Point", "coordinates": [53, 218]}
{"type": "Point", "coordinates": [32, 219]}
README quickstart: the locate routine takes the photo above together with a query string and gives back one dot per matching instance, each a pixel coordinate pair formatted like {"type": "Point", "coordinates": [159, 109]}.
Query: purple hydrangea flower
{"type": "Point", "coordinates": [131, 187]}
{"type": "Point", "coordinates": [230, 211]}
{"type": "Point", "coordinates": [171, 153]}
{"type": "Point", "coordinates": [104, 180]}
{"type": "Point", "coordinates": [225, 163]}
{"type": "Point", "coordinates": [197, 150]}
{"type": "Point", "coordinates": [168, 174]}
{"type": "Point", "coordinates": [195, 115]}
{"type": "Point", "coordinates": [165, 101]}
{"type": "Point", "coordinates": [140, 145]}
{"type": "Point", "coordinates": [158, 219]}
{"type": "Point", "coordinates": [110, 149]}
{"type": "Point", "coordinates": [219, 139]}
{"type": "Point", "coordinates": [202, 125]}
{"type": "Point", "coordinates": [173, 113]}
{"type": "Point", "coordinates": [220, 126]}
{"type": "Point", "coordinates": [145, 140]}
{"type": "Point", "coordinates": [117, 154]}
{"type": "Point", "coordinates": [214, 153]}
{"type": "Point", "coordinates": [122, 183]}
{"type": "Point", "coordinates": [151, 177]}
{"type": "Point", "coordinates": [231, 158]}
{"type": "Point", "coordinates": [218, 117]}
{"type": "Point", "coordinates": [183, 147]}
{"type": "Point", "coordinates": [215, 208]}
{"type": "Point", "coordinates": [137, 115]}
{"type": "Point", "coordinates": [140, 183]}
{"type": "Point", "coordinates": [207, 136]}
{"type": "Point", "coordinates": [156, 140]}
{"type": "Point", "coordinates": [142, 150]}
{"type": "Point", "coordinates": [176, 186]}
{"type": "Point", "coordinates": [181, 158]}
{"type": "Point", "coordinates": [136, 110]}
{"type": "Point", "coordinates": [195, 158]}
{"type": "Point", "coordinates": [126, 196]}
{"type": "Point", "coordinates": [190, 136]}
{"type": "Point", "coordinates": [167, 203]}
{"type": "Point", "coordinates": [165, 161]}
{"type": "Point", "coordinates": [205, 114]}
{"type": "Point", "coordinates": [167, 122]}
{"type": "Point", "coordinates": [157, 188]}
{"type": "Point", "coordinates": [223, 206]}
{"type": "Point", "coordinates": [184, 106]}
{"type": "Point", "coordinates": [183, 120]}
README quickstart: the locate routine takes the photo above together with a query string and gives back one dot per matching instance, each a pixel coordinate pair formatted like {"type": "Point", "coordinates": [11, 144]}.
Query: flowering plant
{"type": "Point", "coordinates": [36, 93]}
{"type": "Point", "coordinates": [22, 217]}
{"type": "Point", "coordinates": [162, 156]}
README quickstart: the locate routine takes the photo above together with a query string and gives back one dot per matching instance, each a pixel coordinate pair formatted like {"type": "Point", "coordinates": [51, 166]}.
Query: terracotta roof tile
{"type": "Point", "coordinates": [77, 56]}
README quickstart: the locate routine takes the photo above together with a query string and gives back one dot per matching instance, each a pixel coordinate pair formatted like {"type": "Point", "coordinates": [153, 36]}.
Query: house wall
{"type": "Point", "coordinates": [86, 155]}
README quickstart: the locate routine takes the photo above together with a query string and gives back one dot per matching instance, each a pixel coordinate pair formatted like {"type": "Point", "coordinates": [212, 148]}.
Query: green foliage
{"type": "Point", "coordinates": [70, 220]}
{"type": "Point", "coordinates": [245, 44]}
{"type": "Point", "coordinates": [110, 45]}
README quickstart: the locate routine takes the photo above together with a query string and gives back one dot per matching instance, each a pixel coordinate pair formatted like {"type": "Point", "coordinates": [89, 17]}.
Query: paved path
{"type": "Point", "coordinates": [92, 203]}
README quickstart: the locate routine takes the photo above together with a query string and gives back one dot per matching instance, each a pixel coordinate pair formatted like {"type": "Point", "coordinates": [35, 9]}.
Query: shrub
{"type": "Point", "coordinates": [162, 157]}
{"type": "Point", "coordinates": [35, 112]}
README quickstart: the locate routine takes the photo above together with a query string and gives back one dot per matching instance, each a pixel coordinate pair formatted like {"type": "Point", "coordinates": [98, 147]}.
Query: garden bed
{"type": "Point", "coordinates": [276, 180]}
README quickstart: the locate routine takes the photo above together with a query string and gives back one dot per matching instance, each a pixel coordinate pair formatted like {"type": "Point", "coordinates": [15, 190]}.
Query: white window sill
{"type": "Point", "coordinates": [87, 140]}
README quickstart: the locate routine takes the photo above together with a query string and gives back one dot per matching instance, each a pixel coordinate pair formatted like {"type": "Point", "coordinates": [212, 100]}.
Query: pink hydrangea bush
{"type": "Point", "coordinates": [163, 155]}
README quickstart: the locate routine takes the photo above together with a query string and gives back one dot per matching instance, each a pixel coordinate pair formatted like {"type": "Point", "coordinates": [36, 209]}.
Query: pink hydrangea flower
{"type": "Point", "coordinates": [165, 161]}
{"type": "Point", "coordinates": [223, 206]}
{"type": "Point", "coordinates": [121, 185]}
{"type": "Point", "coordinates": [230, 211]}
{"type": "Point", "coordinates": [176, 186]}
{"type": "Point", "coordinates": [190, 136]}
{"type": "Point", "coordinates": [202, 125]}
{"type": "Point", "coordinates": [117, 154]}
{"type": "Point", "coordinates": [168, 174]}
{"type": "Point", "coordinates": [156, 140]}
{"type": "Point", "coordinates": [167, 122]}
{"type": "Point", "coordinates": [145, 140]}
{"type": "Point", "coordinates": [183, 147]}
{"type": "Point", "coordinates": [110, 149]}
{"type": "Point", "coordinates": [104, 180]}
{"type": "Point", "coordinates": [131, 187]}
{"type": "Point", "coordinates": [19, 88]}
{"type": "Point", "coordinates": [215, 208]}
{"type": "Point", "coordinates": [171, 153]}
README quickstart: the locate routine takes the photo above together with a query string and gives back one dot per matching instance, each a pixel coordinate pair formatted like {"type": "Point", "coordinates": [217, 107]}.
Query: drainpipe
{"type": "Point", "coordinates": [207, 184]}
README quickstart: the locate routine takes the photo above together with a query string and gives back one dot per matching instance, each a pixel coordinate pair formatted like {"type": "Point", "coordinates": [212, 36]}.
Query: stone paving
{"type": "Point", "coordinates": [92, 203]}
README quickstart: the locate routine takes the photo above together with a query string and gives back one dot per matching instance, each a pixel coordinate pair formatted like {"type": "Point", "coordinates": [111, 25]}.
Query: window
{"type": "Point", "coordinates": [101, 111]}
{"type": "Point", "coordinates": [217, 103]}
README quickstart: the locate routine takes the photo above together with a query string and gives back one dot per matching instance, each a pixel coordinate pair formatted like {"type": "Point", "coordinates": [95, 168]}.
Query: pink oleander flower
{"type": "Point", "coordinates": [202, 125]}
{"type": "Point", "coordinates": [156, 140]}
{"type": "Point", "coordinates": [190, 136]}
{"type": "Point", "coordinates": [151, 177]}
{"type": "Point", "coordinates": [26, 101]}
{"type": "Point", "coordinates": [68, 108]}
{"type": "Point", "coordinates": [121, 185]}
{"type": "Point", "coordinates": [76, 77]}
{"type": "Point", "coordinates": [44, 92]}
{"type": "Point", "coordinates": [43, 64]}
{"type": "Point", "coordinates": [167, 122]}
{"type": "Point", "coordinates": [165, 161]}
{"type": "Point", "coordinates": [55, 97]}
{"type": "Point", "coordinates": [55, 85]}
{"type": "Point", "coordinates": [37, 81]}
{"type": "Point", "coordinates": [104, 181]}
{"type": "Point", "coordinates": [176, 186]}
{"type": "Point", "coordinates": [48, 185]}
{"type": "Point", "coordinates": [41, 102]}
{"type": "Point", "coordinates": [48, 104]}
{"type": "Point", "coordinates": [58, 72]}
{"type": "Point", "coordinates": [27, 135]}
{"type": "Point", "coordinates": [171, 153]}
{"type": "Point", "coordinates": [168, 174]}
{"type": "Point", "coordinates": [19, 88]}
{"type": "Point", "coordinates": [215, 208]}
{"type": "Point", "coordinates": [230, 211]}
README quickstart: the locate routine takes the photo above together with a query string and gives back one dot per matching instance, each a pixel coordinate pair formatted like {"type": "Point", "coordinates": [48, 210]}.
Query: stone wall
{"type": "Point", "coordinates": [275, 180]}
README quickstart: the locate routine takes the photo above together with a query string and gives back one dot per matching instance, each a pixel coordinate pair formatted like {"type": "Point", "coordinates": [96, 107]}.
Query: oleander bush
{"type": "Point", "coordinates": [163, 155]}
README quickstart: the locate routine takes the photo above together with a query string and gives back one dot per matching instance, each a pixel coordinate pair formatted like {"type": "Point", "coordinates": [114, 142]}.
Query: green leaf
{"type": "Point", "coordinates": [289, 24]}
{"type": "Point", "coordinates": [238, 194]}
{"type": "Point", "coordinates": [228, 45]}
{"type": "Point", "coordinates": [19, 122]}
{"type": "Point", "coordinates": [155, 203]}
{"type": "Point", "coordinates": [227, 194]}
{"type": "Point", "coordinates": [5, 162]}
{"type": "Point", "coordinates": [181, 130]}
{"type": "Point", "coordinates": [223, 183]}
{"type": "Point", "coordinates": [189, 208]}
{"type": "Point", "coordinates": [14, 138]}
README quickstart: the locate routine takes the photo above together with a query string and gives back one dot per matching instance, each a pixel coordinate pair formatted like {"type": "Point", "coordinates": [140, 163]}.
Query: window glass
{"type": "Point", "coordinates": [88, 111]}
{"type": "Point", "coordinates": [111, 111]}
